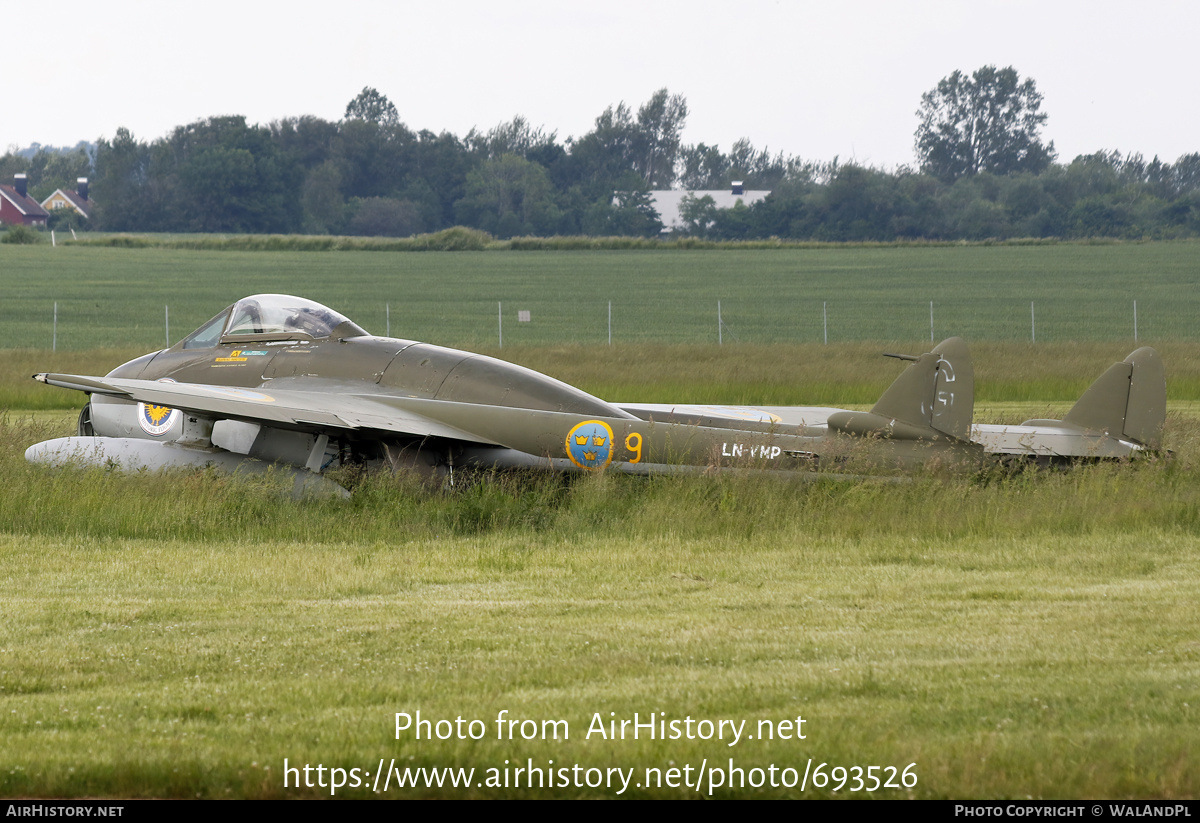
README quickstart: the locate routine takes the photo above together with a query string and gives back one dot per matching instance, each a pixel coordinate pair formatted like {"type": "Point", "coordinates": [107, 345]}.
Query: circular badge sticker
{"type": "Point", "coordinates": [589, 444]}
{"type": "Point", "coordinates": [156, 420]}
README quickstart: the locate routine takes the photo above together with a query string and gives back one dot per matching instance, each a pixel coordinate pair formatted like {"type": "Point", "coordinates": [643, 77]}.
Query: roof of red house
{"type": "Point", "coordinates": [25, 205]}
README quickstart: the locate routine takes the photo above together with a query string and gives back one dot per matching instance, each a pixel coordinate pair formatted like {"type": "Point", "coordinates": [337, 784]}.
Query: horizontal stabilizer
{"type": "Point", "coordinates": [1128, 401]}
{"type": "Point", "coordinates": [1120, 414]}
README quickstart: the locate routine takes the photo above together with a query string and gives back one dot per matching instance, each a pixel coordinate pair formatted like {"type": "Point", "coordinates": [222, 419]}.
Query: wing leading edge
{"type": "Point", "coordinates": [296, 409]}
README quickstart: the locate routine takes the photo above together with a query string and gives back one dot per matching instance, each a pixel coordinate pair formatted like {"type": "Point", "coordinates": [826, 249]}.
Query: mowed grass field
{"type": "Point", "coordinates": [1027, 634]}
{"type": "Point", "coordinates": [117, 297]}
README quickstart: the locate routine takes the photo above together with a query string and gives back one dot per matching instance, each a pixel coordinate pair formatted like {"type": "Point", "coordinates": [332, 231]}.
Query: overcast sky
{"type": "Point", "coordinates": [814, 79]}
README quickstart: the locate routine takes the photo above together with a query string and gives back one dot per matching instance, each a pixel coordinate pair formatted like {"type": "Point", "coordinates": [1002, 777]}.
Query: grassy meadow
{"type": "Point", "coordinates": [1012, 634]}
{"type": "Point", "coordinates": [121, 297]}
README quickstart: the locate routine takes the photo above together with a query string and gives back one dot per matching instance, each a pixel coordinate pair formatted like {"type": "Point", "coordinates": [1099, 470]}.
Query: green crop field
{"type": "Point", "coordinates": [113, 296]}
{"type": "Point", "coordinates": [1007, 634]}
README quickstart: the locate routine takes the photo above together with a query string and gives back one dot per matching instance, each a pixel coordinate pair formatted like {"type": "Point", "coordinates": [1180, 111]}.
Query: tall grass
{"type": "Point", "coordinates": [458, 238]}
{"type": "Point", "coordinates": [462, 238]}
{"type": "Point", "coordinates": [1150, 494]}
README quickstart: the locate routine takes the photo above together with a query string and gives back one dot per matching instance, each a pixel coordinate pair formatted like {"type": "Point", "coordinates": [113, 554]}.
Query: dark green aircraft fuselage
{"type": "Point", "coordinates": [280, 379]}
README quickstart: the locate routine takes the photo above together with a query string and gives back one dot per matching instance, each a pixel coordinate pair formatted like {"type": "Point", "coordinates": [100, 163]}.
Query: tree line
{"type": "Point", "coordinates": [983, 172]}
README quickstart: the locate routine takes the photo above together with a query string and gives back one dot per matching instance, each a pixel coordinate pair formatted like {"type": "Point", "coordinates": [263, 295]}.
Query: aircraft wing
{"type": "Point", "coordinates": [319, 407]}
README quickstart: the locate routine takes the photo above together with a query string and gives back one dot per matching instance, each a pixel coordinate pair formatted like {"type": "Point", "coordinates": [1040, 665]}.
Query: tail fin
{"type": "Point", "coordinates": [1128, 401]}
{"type": "Point", "coordinates": [932, 399]}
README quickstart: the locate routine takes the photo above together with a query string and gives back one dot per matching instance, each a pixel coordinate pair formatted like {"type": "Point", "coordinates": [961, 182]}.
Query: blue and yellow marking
{"type": "Point", "coordinates": [156, 420]}
{"type": "Point", "coordinates": [590, 444]}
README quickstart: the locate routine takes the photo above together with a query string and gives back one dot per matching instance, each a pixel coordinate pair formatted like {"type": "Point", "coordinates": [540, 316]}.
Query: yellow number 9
{"type": "Point", "coordinates": [633, 442]}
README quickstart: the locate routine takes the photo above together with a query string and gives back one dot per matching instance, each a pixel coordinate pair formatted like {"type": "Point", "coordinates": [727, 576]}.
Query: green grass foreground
{"type": "Point", "coordinates": [1019, 635]}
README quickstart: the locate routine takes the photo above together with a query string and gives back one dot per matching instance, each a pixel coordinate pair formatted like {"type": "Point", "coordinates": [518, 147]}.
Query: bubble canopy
{"type": "Point", "coordinates": [273, 317]}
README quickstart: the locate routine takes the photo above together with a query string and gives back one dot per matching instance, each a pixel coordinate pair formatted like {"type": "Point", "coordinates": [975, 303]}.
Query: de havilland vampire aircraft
{"type": "Point", "coordinates": [280, 380]}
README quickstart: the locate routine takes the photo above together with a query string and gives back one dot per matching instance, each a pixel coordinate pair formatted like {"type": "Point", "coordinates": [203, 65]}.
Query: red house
{"type": "Point", "coordinates": [16, 208]}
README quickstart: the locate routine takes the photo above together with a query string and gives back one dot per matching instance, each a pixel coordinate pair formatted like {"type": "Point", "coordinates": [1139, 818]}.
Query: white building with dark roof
{"type": "Point", "coordinates": [667, 203]}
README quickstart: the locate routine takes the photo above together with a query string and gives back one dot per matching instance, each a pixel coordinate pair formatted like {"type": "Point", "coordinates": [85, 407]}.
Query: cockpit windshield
{"type": "Point", "coordinates": [272, 317]}
{"type": "Point", "coordinates": [281, 314]}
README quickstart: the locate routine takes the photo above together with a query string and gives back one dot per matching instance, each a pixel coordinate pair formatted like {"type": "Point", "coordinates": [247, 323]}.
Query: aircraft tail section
{"type": "Point", "coordinates": [1120, 414]}
{"type": "Point", "coordinates": [1128, 401]}
{"type": "Point", "coordinates": [933, 399]}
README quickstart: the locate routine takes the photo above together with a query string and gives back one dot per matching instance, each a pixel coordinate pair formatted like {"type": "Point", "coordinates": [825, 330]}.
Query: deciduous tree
{"type": "Point", "coordinates": [656, 145]}
{"type": "Point", "coordinates": [986, 122]}
{"type": "Point", "coordinates": [633, 215]}
{"type": "Point", "coordinates": [373, 107]}
{"type": "Point", "coordinates": [508, 196]}
{"type": "Point", "coordinates": [697, 213]}
{"type": "Point", "coordinates": [122, 188]}
{"type": "Point", "coordinates": [384, 216]}
{"type": "Point", "coordinates": [516, 136]}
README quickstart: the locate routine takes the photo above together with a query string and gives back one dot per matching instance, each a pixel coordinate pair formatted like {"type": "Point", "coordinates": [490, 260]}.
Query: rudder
{"type": "Point", "coordinates": [933, 398]}
{"type": "Point", "coordinates": [1129, 400]}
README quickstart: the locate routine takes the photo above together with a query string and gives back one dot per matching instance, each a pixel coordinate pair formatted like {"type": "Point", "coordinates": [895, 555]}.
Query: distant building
{"type": "Point", "coordinates": [666, 203]}
{"type": "Point", "coordinates": [17, 208]}
{"type": "Point", "coordinates": [77, 200]}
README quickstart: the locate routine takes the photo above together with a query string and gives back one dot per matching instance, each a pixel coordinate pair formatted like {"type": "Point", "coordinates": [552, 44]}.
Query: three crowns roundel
{"type": "Point", "coordinates": [589, 444]}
